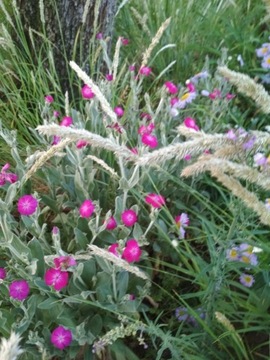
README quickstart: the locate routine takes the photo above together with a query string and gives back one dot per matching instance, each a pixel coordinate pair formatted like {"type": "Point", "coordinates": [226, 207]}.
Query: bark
{"type": "Point", "coordinates": [64, 28]}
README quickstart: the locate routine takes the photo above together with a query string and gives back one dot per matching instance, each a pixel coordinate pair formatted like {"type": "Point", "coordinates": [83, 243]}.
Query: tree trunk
{"type": "Point", "coordinates": [66, 29]}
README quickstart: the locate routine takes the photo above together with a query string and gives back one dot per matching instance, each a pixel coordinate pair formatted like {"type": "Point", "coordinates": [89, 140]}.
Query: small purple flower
{"type": "Point", "coordinates": [232, 254]}
{"type": "Point", "coordinates": [266, 62]}
{"type": "Point", "coordinates": [263, 51]}
{"type": "Point", "coordinates": [99, 36]}
{"type": "Point", "coordinates": [109, 77]}
{"type": "Point", "coordinates": [19, 290]}
{"type": "Point", "coordinates": [247, 280]}
{"type": "Point", "coordinates": [260, 159]}
{"type": "Point", "coordinates": [3, 273]}
{"type": "Point", "coordinates": [61, 337]}
{"type": "Point", "coordinates": [49, 99]}
{"type": "Point", "coordinates": [249, 143]}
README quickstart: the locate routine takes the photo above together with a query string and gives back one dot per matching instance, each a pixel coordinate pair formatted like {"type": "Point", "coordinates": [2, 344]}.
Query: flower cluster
{"type": "Point", "coordinates": [183, 314]}
{"type": "Point", "coordinates": [130, 253]}
{"type": "Point", "coordinates": [264, 53]}
{"type": "Point", "coordinates": [58, 277]}
{"type": "Point", "coordinates": [245, 254]}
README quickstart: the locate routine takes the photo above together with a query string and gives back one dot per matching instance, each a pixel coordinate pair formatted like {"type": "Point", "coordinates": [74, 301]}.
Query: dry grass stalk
{"type": "Point", "coordinates": [105, 254]}
{"type": "Point", "coordinates": [104, 165]}
{"type": "Point", "coordinates": [66, 104]}
{"type": "Point", "coordinates": [103, 101]}
{"type": "Point", "coordinates": [9, 348]}
{"type": "Point", "coordinates": [115, 62]}
{"type": "Point", "coordinates": [248, 87]}
{"type": "Point", "coordinates": [94, 139]}
{"type": "Point", "coordinates": [155, 41]}
{"type": "Point", "coordinates": [41, 10]}
{"type": "Point", "coordinates": [44, 157]}
{"type": "Point", "coordinates": [86, 11]}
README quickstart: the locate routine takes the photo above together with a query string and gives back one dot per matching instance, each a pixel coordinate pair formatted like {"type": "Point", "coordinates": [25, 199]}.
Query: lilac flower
{"type": "Point", "coordinates": [247, 280]}
{"type": "Point", "coordinates": [201, 75]}
{"type": "Point", "coordinates": [266, 62]}
{"type": "Point", "coordinates": [185, 99]}
{"type": "Point", "coordinates": [182, 221]}
{"type": "Point", "coordinates": [240, 60]}
{"type": "Point", "coordinates": [232, 254]}
{"type": "Point", "coordinates": [267, 204]}
{"type": "Point", "coordinates": [260, 159]}
{"type": "Point", "coordinates": [263, 51]}
{"type": "Point", "coordinates": [247, 145]}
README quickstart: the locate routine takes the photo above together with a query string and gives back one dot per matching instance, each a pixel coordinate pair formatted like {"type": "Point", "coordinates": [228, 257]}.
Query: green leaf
{"type": "Point", "coordinates": [81, 238]}
{"type": "Point", "coordinates": [49, 303]}
{"type": "Point", "coordinates": [37, 252]}
{"type": "Point", "coordinates": [51, 203]}
{"type": "Point", "coordinates": [122, 279]}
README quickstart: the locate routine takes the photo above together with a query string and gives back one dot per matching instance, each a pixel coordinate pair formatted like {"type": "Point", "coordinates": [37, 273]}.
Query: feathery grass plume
{"type": "Point", "coordinates": [222, 319]}
{"type": "Point", "coordinates": [104, 165]}
{"type": "Point", "coordinates": [115, 62]}
{"type": "Point", "coordinates": [248, 87]}
{"type": "Point", "coordinates": [244, 172]}
{"type": "Point", "coordinates": [141, 20]}
{"type": "Point", "coordinates": [85, 11]}
{"type": "Point", "coordinates": [95, 140]}
{"type": "Point", "coordinates": [96, 14]}
{"type": "Point", "coordinates": [119, 332]}
{"type": "Point", "coordinates": [44, 157]}
{"type": "Point", "coordinates": [7, 16]}
{"type": "Point", "coordinates": [103, 101]}
{"type": "Point", "coordinates": [105, 254]}
{"type": "Point", "coordinates": [155, 41]}
{"type": "Point", "coordinates": [66, 104]}
{"type": "Point", "coordinates": [249, 198]}
{"type": "Point", "coordinates": [9, 348]}
{"type": "Point", "coordinates": [180, 150]}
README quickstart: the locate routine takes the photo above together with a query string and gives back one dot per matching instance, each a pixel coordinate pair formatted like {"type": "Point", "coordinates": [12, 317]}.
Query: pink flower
{"type": "Point", "coordinates": [56, 140]}
{"type": "Point", "coordinates": [87, 208]}
{"type": "Point", "coordinates": [27, 205]}
{"type": "Point", "coordinates": [66, 121]}
{"type": "Point", "coordinates": [124, 41]}
{"type": "Point", "coordinates": [171, 87]}
{"type": "Point", "coordinates": [182, 221]}
{"type": "Point", "coordinates": [191, 123]}
{"type": "Point", "coordinates": [155, 200]}
{"type": "Point", "coordinates": [129, 217]}
{"type": "Point", "coordinates": [119, 111]}
{"type": "Point", "coordinates": [230, 96]}
{"type": "Point", "coordinates": [56, 278]}
{"type": "Point", "coordinates": [190, 86]}
{"type": "Point", "coordinates": [48, 99]}
{"type": "Point", "coordinates": [113, 249]}
{"type": "Point", "coordinates": [143, 129]}
{"type": "Point", "coordinates": [64, 262]}
{"type": "Point", "coordinates": [187, 157]}
{"type": "Point", "coordinates": [174, 101]}
{"type": "Point", "coordinates": [3, 273]}
{"type": "Point", "coordinates": [145, 70]}
{"type": "Point", "coordinates": [56, 113]}
{"type": "Point", "coordinates": [99, 36]}
{"type": "Point", "coordinates": [19, 289]}
{"type": "Point", "coordinates": [61, 337]}
{"type": "Point", "coordinates": [6, 176]}
{"type": "Point", "coordinates": [149, 140]}
{"type": "Point", "coordinates": [131, 68]}
{"type": "Point", "coordinates": [87, 92]}
{"type": "Point", "coordinates": [146, 116]}
{"type": "Point", "coordinates": [81, 143]}
{"type": "Point", "coordinates": [216, 93]}
{"type": "Point", "coordinates": [111, 223]}
{"type": "Point", "coordinates": [132, 251]}
{"type": "Point", "coordinates": [134, 151]}
{"type": "Point", "coordinates": [109, 77]}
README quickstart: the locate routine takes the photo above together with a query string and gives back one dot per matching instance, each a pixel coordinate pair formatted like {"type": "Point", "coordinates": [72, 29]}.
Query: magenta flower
{"type": "Point", "coordinates": [124, 41]}
{"type": "Point", "coordinates": [19, 289]}
{"type": "Point", "coordinates": [27, 205]}
{"type": "Point", "coordinates": [134, 150]}
{"type": "Point", "coordinates": [61, 337]}
{"type": "Point", "coordinates": [132, 251]}
{"type": "Point", "coordinates": [230, 96]}
{"type": "Point", "coordinates": [174, 101]}
{"type": "Point", "coordinates": [146, 129]}
{"type": "Point", "coordinates": [99, 36]}
{"type": "Point", "coordinates": [247, 280]}
{"type": "Point", "coordinates": [87, 208]}
{"type": "Point", "coordinates": [49, 99]}
{"type": "Point", "coordinates": [56, 113]}
{"type": "Point", "coordinates": [109, 77]}
{"type": "Point", "coordinates": [171, 87]}
{"type": "Point", "coordinates": [191, 124]}
{"type": "Point", "coordinates": [56, 140]}
{"type": "Point", "coordinates": [129, 217]}
{"type": "Point", "coordinates": [146, 116]}
{"type": "Point", "coordinates": [81, 143]}
{"type": "Point", "coordinates": [182, 221]}
{"type": "Point", "coordinates": [190, 86]}
{"type": "Point", "coordinates": [7, 176]}
{"type": "Point", "coordinates": [145, 70]}
{"type": "Point", "coordinates": [113, 249]}
{"type": "Point", "coordinates": [155, 200]}
{"type": "Point", "coordinates": [3, 273]}
{"type": "Point", "coordinates": [187, 157]}
{"type": "Point", "coordinates": [149, 140]}
{"type": "Point", "coordinates": [215, 94]}
{"type": "Point", "coordinates": [64, 262]}
{"type": "Point", "coordinates": [66, 121]}
{"type": "Point", "coordinates": [87, 92]}
{"type": "Point", "coordinates": [56, 278]}
{"type": "Point", "coordinates": [131, 68]}
{"type": "Point", "coordinates": [119, 111]}
{"type": "Point", "coordinates": [111, 223]}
